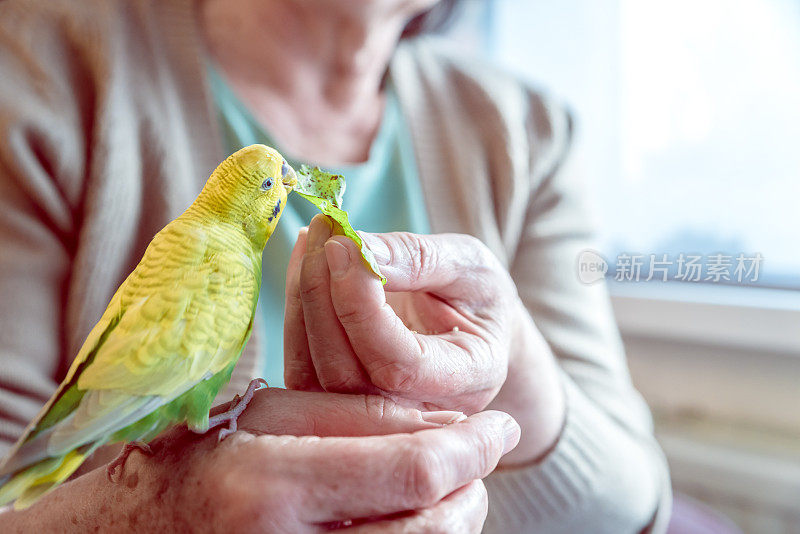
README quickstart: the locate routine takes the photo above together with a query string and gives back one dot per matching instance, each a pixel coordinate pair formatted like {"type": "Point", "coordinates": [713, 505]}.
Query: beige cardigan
{"type": "Point", "coordinates": [107, 133]}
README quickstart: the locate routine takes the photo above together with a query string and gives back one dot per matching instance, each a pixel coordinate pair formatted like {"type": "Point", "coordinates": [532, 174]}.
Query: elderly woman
{"type": "Point", "coordinates": [112, 113]}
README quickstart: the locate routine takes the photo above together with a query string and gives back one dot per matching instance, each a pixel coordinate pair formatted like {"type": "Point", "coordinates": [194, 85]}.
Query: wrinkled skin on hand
{"type": "Point", "coordinates": [276, 476]}
{"type": "Point", "coordinates": [301, 462]}
{"type": "Point", "coordinates": [448, 330]}
{"type": "Point", "coordinates": [438, 336]}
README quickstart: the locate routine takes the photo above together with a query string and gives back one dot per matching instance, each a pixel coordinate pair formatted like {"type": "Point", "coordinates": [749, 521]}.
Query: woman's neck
{"type": "Point", "coordinates": [310, 71]}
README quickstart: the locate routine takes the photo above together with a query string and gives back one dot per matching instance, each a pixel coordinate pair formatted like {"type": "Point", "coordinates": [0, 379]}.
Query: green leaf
{"type": "Point", "coordinates": [325, 190]}
{"type": "Point", "coordinates": [321, 184]}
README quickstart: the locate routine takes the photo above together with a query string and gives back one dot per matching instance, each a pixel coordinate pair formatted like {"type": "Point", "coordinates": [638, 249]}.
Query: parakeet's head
{"type": "Point", "coordinates": [250, 187]}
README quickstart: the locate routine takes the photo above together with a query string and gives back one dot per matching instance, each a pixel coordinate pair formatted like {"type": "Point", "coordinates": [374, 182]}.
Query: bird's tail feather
{"type": "Point", "coordinates": [31, 483]}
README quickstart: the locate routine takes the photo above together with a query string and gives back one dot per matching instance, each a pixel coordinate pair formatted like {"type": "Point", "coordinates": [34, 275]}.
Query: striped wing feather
{"type": "Point", "coordinates": [182, 316]}
{"type": "Point", "coordinates": [188, 306]}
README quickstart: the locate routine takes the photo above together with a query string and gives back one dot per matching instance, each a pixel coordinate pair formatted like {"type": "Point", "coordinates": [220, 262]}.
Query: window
{"type": "Point", "coordinates": [688, 122]}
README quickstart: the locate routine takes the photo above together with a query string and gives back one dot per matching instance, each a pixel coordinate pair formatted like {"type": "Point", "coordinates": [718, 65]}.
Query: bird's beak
{"type": "Point", "coordinates": [290, 180]}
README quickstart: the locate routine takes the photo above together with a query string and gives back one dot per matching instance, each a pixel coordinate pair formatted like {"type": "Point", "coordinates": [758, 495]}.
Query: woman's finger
{"type": "Point", "coordinates": [297, 251]}
{"type": "Point", "coordinates": [298, 368]}
{"type": "Point", "coordinates": [464, 510]}
{"type": "Point", "coordinates": [335, 363]}
{"type": "Point", "coordinates": [304, 413]}
{"type": "Point", "coordinates": [343, 478]}
{"type": "Point", "coordinates": [453, 266]}
{"type": "Point", "coordinates": [399, 361]}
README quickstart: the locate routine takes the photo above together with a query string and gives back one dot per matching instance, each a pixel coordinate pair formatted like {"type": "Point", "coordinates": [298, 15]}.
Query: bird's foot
{"type": "Point", "coordinates": [231, 416]}
{"type": "Point", "coordinates": [119, 461]}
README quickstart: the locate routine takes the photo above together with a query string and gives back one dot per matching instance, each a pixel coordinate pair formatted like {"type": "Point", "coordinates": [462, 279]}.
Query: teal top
{"type": "Point", "coordinates": [382, 194]}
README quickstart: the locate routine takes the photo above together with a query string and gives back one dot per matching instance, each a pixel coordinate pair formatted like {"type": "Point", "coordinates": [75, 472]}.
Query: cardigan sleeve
{"type": "Point", "coordinates": [40, 155]}
{"type": "Point", "coordinates": [606, 472]}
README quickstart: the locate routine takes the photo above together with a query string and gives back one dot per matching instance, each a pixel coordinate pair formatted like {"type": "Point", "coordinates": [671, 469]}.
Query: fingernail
{"type": "Point", "coordinates": [511, 433]}
{"type": "Point", "coordinates": [378, 248]}
{"type": "Point", "coordinates": [443, 418]}
{"type": "Point", "coordinates": [338, 257]}
{"type": "Point", "coordinates": [318, 232]}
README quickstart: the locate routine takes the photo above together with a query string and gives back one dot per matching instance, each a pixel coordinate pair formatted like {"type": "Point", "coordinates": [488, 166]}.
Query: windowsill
{"type": "Point", "coordinates": [734, 466]}
{"type": "Point", "coordinates": [725, 355]}
{"type": "Point", "coordinates": [741, 317]}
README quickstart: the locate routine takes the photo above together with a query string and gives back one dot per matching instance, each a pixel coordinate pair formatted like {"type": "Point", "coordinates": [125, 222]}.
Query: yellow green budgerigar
{"type": "Point", "coordinates": [171, 335]}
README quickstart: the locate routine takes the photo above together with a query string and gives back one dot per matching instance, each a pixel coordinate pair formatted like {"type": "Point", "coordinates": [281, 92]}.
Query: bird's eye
{"type": "Point", "coordinates": [266, 184]}
{"type": "Point", "coordinates": [284, 169]}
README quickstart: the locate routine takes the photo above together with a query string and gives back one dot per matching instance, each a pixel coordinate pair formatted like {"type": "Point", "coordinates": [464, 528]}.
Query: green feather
{"type": "Point", "coordinates": [171, 335]}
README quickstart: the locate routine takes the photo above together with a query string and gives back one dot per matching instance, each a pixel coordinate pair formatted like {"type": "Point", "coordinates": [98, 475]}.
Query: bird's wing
{"type": "Point", "coordinates": [188, 308]}
{"type": "Point", "coordinates": [182, 316]}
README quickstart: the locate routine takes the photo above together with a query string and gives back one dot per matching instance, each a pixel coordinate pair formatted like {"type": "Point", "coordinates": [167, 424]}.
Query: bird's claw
{"type": "Point", "coordinates": [231, 415]}
{"type": "Point", "coordinates": [122, 458]}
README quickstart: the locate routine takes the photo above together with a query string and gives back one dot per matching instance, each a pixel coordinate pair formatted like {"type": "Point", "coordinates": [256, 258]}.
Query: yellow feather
{"type": "Point", "coordinates": [183, 315]}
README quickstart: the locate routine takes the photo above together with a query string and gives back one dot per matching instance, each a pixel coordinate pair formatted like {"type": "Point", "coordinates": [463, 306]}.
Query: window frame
{"type": "Point", "coordinates": [748, 318]}
{"type": "Point", "coordinates": [728, 356]}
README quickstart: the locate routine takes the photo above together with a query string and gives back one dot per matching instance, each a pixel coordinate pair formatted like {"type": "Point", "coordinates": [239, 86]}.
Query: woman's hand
{"type": "Point", "coordinates": [275, 477]}
{"type": "Point", "coordinates": [444, 333]}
